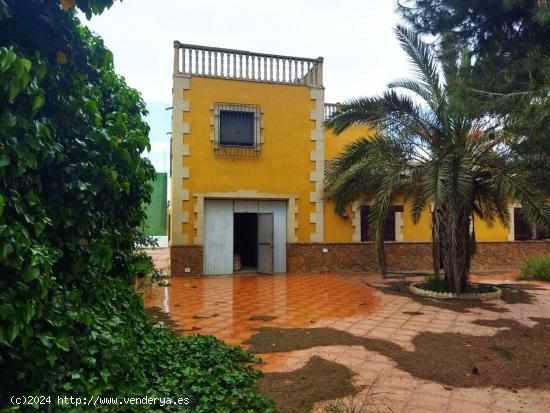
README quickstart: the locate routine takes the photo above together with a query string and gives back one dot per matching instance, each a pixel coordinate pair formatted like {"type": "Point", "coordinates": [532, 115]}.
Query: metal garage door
{"type": "Point", "coordinates": [218, 236]}
{"type": "Point", "coordinates": [218, 232]}
{"type": "Point", "coordinates": [278, 209]}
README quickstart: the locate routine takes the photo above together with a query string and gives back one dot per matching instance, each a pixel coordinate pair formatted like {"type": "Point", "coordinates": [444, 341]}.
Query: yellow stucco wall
{"type": "Point", "coordinates": [338, 229]}
{"type": "Point", "coordinates": [284, 165]}
{"type": "Point", "coordinates": [484, 232]}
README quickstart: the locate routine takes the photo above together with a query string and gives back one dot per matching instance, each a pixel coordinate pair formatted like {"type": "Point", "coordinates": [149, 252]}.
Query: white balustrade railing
{"type": "Point", "coordinates": [241, 64]}
{"type": "Point", "coordinates": [330, 108]}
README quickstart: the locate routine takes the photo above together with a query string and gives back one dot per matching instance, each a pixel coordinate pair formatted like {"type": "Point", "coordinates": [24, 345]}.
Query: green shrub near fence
{"type": "Point", "coordinates": [535, 268]}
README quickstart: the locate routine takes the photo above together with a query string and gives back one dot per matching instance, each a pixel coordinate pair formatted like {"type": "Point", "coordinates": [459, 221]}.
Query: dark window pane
{"type": "Point", "coordinates": [236, 128]}
{"type": "Point", "coordinates": [389, 226]}
{"type": "Point", "coordinates": [522, 229]}
{"type": "Point", "coordinates": [389, 223]}
{"type": "Point", "coordinates": [365, 236]}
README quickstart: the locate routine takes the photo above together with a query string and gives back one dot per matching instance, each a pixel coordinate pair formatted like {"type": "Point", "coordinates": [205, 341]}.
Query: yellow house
{"type": "Point", "coordinates": [248, 152]}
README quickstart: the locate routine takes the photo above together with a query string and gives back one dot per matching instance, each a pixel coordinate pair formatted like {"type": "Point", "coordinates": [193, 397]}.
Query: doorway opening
{"type": "Point", "coordinates": [245, 242]}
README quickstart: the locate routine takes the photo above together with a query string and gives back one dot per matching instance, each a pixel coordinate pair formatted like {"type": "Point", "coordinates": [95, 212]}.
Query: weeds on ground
{"type": "Point", "coordinates": [505, 351]}
{"type": "Point", "coordinates": [366, 401]}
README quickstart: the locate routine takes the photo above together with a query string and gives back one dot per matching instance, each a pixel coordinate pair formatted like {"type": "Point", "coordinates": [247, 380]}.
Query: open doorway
{"type": "Point", "coordinates": [245, 242]}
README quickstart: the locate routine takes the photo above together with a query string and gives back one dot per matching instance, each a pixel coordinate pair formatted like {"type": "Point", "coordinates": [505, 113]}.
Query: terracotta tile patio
{"type": "Point", "coordinates": [223, 305]}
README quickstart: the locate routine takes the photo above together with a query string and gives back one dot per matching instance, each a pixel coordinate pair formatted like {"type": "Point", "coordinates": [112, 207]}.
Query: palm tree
{"type": "Point", "coordinates": [428, 150]}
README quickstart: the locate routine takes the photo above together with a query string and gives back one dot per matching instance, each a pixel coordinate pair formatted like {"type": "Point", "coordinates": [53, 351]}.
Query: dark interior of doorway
{"type": "Point", "coordinates": [245, 242]}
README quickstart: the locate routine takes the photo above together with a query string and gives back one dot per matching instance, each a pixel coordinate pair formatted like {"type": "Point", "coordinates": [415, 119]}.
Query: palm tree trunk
{"type": "Point", "coordinates": [436, 253]}
{"type": "Point", "coordinates": [381, 256]}
{"type": "Point", "coordinates": [454, 245]}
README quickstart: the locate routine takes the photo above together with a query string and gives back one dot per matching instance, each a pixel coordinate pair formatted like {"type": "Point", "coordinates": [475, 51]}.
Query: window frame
{"type": "Point", "coordinates": [366, 236]}
{"type": "Point", "coordinates": [242, 108]}
{"type": "Point", "coordinates": [533, 233]}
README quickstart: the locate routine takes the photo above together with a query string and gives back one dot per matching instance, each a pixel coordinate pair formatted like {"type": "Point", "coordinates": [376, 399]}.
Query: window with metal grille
{"type": "Point", "coordinates": [389, 223]}
{"type": "Point", "coordinates": [237, 129]}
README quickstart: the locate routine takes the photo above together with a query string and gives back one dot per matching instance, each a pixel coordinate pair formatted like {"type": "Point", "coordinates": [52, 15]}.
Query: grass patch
{"type": "Point", "coordinates": [536, 268]}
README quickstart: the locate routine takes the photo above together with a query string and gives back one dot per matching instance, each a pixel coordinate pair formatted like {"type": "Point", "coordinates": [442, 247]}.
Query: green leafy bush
{"type": "Point", "coordinates": [99, 343]}
{"type": "Point", "coordinates": [434, 283]}
{"type": "Point", "coordinates": [439, 285]}
{"type": "Point", "coordinates": [536, 268]}
{"type": "Point", "coordinates": [142, 264]}
{"type": "Point", "coordinates": [72, 186]}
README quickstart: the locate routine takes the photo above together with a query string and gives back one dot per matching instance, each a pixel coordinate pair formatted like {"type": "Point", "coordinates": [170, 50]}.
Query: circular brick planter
{"type": "Point", "coordinates": [493, 295]}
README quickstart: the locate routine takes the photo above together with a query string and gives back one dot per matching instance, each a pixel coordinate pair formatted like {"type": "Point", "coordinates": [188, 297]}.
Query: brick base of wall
{"type": "Point", "coordinates": [357, 257]}
{"type": "Point", "coordinates": [361, 257]}
{"type": "Point", "coordinates": [405, 256]}
{"type": "Point", "coordinates": [507, 255]}
{"type": "Point", "coordinates": [183, 257]}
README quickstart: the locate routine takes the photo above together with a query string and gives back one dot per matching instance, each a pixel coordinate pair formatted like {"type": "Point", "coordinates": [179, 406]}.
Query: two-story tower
{"type": "Point", "coordinates": [247, 159]}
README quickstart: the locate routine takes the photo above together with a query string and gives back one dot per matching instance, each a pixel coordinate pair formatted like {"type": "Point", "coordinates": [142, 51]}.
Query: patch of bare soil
{"type": "Point", "coordinates": [412, 312]}
{"type": "Point", "coordinates": [262, 318]}
{"type": "Point", "coordinates": [516, 356]}
{"type": "Point", "coordinates": [156, 315]}
{"type": "Point", "coordinates": [511, 294]}
{"type": "Point", "coordinates": [296, 391]}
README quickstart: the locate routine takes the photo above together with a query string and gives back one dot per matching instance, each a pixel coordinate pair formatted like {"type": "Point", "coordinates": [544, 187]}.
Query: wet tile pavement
{"type": "Point", "coordinates": [224, 305]}
{"type": "Point", "coordinates": [232, 307]}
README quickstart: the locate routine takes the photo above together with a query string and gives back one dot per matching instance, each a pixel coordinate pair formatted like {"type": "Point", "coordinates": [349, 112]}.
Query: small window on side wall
{"type": "Point", "coordinates": [389, 223]}
{"type": "Point", "coordinates": [523, 231]}
{"type": "Point", "coordinates": [237, 129]}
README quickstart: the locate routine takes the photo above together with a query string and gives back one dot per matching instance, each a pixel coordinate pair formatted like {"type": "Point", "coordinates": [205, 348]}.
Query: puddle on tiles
{"type": "Point", "coordinates": [242, 304]}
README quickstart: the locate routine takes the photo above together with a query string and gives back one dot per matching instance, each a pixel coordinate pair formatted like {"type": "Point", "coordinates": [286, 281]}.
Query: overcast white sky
{"type": "Point", "coordinates": [354, 36]}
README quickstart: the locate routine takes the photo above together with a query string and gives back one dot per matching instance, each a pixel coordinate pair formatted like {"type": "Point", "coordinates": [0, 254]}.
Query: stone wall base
{"type": "Point", "coordinates": [182, 257]}
{"type": "Point", "coordinates": [405, 256]}
{"type": "Point", "coordinates": [361, 257]}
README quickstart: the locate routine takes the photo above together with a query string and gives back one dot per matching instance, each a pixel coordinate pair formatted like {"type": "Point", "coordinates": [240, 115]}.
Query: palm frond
{"type": "Point", "coordinates": [519, 185]}
{"type": "Point", "coordinates": [360, 111]}
{"type": "Point", "coordinates": [423, 61]}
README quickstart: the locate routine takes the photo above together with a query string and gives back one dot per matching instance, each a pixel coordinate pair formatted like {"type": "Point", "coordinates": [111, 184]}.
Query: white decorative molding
{"type": "Point", "coordinates": [178, 151]}
{"type": "Point", "coordinates": [356, 220]}
{"type": "Point", "coordinates": [317, 94]}
{"type": "Point", "coordinates": [511, 226]}
{"type": "Point", "coordinates": [236, 107]}
{"type": "Point", "coordinates": [399, 226]}
{"type": "Point", "coordinates": [292, 209]}
{"type": "Point", "coordinates": [492, 295]}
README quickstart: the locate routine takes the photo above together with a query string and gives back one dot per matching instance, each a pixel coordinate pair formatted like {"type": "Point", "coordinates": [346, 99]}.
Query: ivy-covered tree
{"type": "Point", "coordinates": [72, 186]}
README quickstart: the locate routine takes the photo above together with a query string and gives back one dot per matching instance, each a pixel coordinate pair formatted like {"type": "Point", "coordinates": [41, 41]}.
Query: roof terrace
{"type": "Point", "coordinates": [244, 65]}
